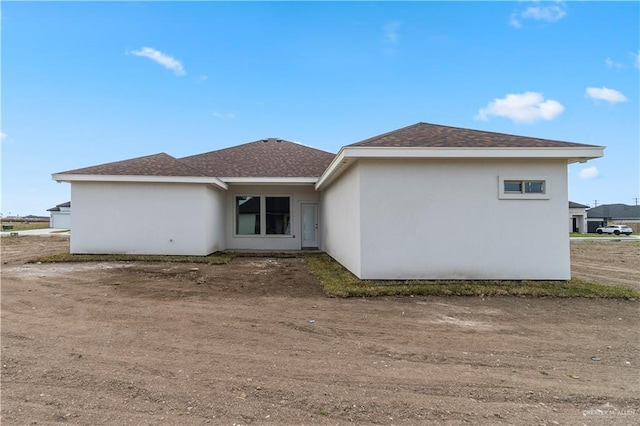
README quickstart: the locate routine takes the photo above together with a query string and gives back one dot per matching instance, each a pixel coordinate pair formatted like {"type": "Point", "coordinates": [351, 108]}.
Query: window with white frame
{"type": "Point", "coordinates": [263, 215]}
{"type": "Point", "coordinates": [522, 188]}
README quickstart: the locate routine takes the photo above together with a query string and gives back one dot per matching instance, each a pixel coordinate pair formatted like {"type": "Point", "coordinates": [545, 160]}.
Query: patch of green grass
{"type": "Point", "coordinates": [218, 258]}
{"type": "Point", "coordinates": [22, 226]}
{"type": "Point", "coordinates": [593, 235]}
{"type": "Point", "coordinates": [336, 281]}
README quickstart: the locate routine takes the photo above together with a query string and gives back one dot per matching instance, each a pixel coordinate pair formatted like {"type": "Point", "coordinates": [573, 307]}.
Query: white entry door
{"type": "Point", "coordinates": [309, 213]}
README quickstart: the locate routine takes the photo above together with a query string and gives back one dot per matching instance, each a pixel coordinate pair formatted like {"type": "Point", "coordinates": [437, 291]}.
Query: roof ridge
{"type": "Point", "coordinates": [264, 140]}
{"type": "Point", "coordinates": [427, 135]}
{"type": "Point", "coordinates": [159, 163]}
{"type": "Point", "coordinates": [372, 138]}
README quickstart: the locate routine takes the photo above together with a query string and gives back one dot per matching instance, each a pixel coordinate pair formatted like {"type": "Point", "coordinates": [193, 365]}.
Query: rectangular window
{"type": "Point", "coordinates": [513, 186]}
{"type": "Point", "coordinates": [261, 215]}
{"type": "Point", "coordinates": [248, 215]}
{"type": "Point", "coordinates": [278, 215]}
{"type": "Point", "coordinates": [534, 187]}
{"type": "Point", "coordinates": [523, 188]}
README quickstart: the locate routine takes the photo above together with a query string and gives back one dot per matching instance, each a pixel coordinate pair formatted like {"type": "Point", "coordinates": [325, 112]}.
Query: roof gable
{"type": "Point", "coordinates": [574, 205]}
{"type": "Point", "coordinates": [57, 207]}
{"type": "Point", "coordinates": [614, 211]}
{"type": "Point", "coordinates": [425, 135]}
{"type": "Point", "coordinates": [151, 165]}
{"type": "Point", "coordinates": [263, 158]}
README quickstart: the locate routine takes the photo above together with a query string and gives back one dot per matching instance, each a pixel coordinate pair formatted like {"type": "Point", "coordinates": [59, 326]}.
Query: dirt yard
{"type": "Point", "coordinates": [255, 342]}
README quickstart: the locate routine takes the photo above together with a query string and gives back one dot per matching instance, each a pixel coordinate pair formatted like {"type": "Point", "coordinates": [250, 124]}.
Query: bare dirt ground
{"type": "Point", "coordinates": [607, 262]}
{"type": "Point", "coordinates": [255, 342]}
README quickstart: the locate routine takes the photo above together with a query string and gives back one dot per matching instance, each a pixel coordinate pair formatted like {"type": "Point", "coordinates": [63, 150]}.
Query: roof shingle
{"type": "Point", "coordinates": [615, 212]}
{"type": "Point", "coordinates": [151, 165]}
{"type": "Point", "coordinates": [573, 205]}
{"type": "Point", "coordinates": [263, 158]}
{"type": "Point", "coordinates": [425, 135]}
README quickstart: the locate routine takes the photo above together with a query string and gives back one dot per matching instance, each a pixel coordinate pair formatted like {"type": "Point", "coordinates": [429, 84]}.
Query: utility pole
{"type": "Point", "coordinates": [636, 200]}
{"type": "Point", "coordinates": [595, 203]}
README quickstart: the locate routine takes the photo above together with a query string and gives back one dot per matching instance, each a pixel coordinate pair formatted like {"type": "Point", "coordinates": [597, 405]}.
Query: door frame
{"type": "Point", "coordinates": [317, 225]}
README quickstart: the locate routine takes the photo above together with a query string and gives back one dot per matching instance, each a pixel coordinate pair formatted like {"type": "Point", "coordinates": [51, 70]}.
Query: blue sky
{"type": "Point", "coordinates": [87, 83]}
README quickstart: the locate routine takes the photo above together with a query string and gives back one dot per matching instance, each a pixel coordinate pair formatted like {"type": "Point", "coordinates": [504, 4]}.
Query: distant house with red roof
{"type": "Point", "coordinates": [425, 201]}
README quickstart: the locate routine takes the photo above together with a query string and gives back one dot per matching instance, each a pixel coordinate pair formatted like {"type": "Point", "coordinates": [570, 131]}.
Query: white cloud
{"type": "Point", "coordinates": [589, 173]}
{"type": "Point", "coordinates": [228, 115]}
{"type": "Point", "coordinates": [636, 58]}
{"type": "Point", "coordinates": [548, 13]}
{"type": "Point", "coordinates": [391, 31]}
{"type": "Point", "coordinates": [610, 63]}
{"type": "Point", "coordinates": [551, 13]}
{"type": "Point", "coordinates": [525, 107]}
{"type": "Point", "coordinates": [514, 21]}
{"type": "Point", "coordinates": [3, 135]}
{"type": "Point", "coordinates": [605, 94]}
{"type": "Point", "coordinates": [166, 61]}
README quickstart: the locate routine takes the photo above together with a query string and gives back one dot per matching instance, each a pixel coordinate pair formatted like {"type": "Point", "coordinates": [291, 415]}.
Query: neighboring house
{"type": "Point", "coordinates": [577, 217]}
{"type": "Point", "coordinates": [34, 218]}
{"type": "Point", "coordinates": [425, 201]}
{"type": "Point", "coordinates": [607, 214]}
{"type": "Point", "coordinates": [60, 216]}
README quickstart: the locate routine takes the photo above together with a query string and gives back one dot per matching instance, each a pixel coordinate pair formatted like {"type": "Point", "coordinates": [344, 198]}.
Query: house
{"type": "Point", "coordinates": [60, 216]}
{"type": "Point", "coordinates": [577, 217]}
{"type": "Point", "coordinates": [606, 214]}
{"type": "Point", "coordinates": [425, 201]}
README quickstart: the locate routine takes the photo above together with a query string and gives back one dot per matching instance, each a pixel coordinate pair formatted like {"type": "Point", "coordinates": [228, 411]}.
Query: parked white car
{"type": "Point", "coordinates": [615, 229]}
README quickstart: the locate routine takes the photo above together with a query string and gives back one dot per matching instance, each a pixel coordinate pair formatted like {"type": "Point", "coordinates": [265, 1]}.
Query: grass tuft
{"type": "Point", "coordinates": [336, 281]}
{"type": "Point", "coordinates": [594, 235]}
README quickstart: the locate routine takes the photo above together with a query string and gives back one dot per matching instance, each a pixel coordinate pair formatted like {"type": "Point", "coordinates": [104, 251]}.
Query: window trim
{"type": "Point", "coordinates": [512, 195]}
{"type": "Point", "coordinates": [236, 214]}
{"type": "Point", "coordinates": [263, 216]}
{"type": "Point", "coordinates": [266, 228]}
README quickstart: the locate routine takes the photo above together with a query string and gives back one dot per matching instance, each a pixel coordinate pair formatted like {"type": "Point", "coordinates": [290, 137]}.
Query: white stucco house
{"type": "Point", "coordinates": [422, 202]}
{"type": "Point", "coordinates": [60, 216]}
{"type": "Point", "coordinates": [577, 217]}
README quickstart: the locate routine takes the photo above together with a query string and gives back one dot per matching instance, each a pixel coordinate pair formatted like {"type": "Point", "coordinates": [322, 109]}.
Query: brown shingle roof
{"type": "Point", "coordinates": [264, 158]}
{"type": "Point", "coordinates": [151, 165]}
{"type": "Point", "coordinates": [425, 135]}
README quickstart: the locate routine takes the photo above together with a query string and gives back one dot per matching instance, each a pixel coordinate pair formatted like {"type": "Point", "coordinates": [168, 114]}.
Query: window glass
{"type": "Point", "coordinates": [248, 215]}
{"type": "Point", "coordinates": [512, 186]}
{"type": "Point", "coordinates": [534, 187]}
{"type": "Point", "coordinates": [278, 215]}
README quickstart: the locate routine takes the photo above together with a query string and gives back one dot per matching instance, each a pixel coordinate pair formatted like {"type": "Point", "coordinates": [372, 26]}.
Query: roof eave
{"type": "Point", "coordinates": [270, 180]}
{"type": "Point", "coordinates": [588, 152]}
{"type": "Point", "coordinates": [65, 177]}
{"type": "Point", "coordinates": [349, 154]}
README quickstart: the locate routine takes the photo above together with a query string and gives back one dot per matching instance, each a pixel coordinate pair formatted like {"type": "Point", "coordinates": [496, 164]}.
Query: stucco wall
{"type": "Point", "coordinates": [340, 208]}
{"type": "Point", "coordinates": [299, 194]}
{"type": "Point", "coordinates": [444, 219]}
{"type": "Point", "coordinates": [146, 218]}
